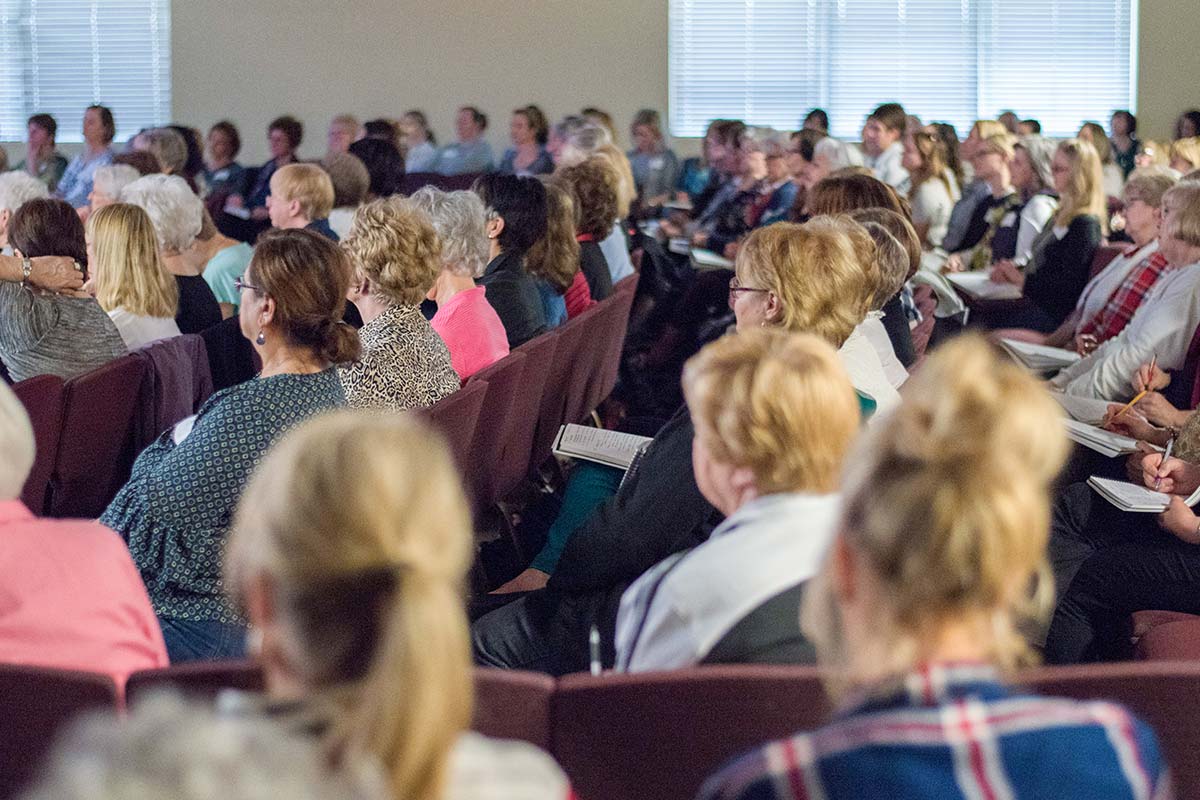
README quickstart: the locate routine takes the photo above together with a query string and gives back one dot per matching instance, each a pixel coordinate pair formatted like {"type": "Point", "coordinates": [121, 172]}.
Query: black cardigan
{"type": "Point", "coordinates": [512, 293]}
{"type": "Point", "coordinates": [1061, 266]}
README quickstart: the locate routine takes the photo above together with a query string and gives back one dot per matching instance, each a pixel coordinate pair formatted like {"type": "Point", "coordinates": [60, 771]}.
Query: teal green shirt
{"type": "Point", "coordinates": [223, 268]}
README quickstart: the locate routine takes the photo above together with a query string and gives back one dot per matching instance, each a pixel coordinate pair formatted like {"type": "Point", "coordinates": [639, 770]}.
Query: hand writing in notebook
{"type": "Point", "coordinates": [1174, 475]}
{"type": "Point", "coordinates": [1133, 425]}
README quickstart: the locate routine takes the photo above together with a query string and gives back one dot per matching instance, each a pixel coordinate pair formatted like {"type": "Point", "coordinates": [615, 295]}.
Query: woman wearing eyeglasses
{"type": "Point", "coordinates": [176, 508]}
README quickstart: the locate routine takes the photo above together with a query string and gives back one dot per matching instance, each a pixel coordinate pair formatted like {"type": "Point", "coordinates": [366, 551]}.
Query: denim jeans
{"type": "Point", "coordinates": [202, 640]}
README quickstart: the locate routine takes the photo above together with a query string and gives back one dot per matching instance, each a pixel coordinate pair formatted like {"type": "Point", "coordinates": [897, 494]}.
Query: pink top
{"type": "Point", "coordinates": [71, 598]}
{"type": "Point", "coordinates": [472, 331]}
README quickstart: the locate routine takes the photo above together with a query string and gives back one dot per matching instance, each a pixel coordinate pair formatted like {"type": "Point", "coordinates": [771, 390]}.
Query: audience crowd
{"type": "Point", "coordinates": [840, 465]}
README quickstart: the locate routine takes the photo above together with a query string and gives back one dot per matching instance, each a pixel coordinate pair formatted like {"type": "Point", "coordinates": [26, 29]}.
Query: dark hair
{"type": "Point", "coordinates": [520, 202]}
{"type": "Point", "coordinates": [384, 164]}
{"type": "Point", "coordinates": [1034, 125]}
{"type": "Point", "coordinates": [949, 137]}
{"type": "Point", "coordinates": [195, 151]}
{"type": "Point", "coordinates": [729, 131]}
{"type": "Point", "coordinates": [1191, 115]}
{"type": "Point", "coordinates": [821, 118]}
{"type": "Point", "coordinates": [593, 187]}
{"type": "Point", "coordinates": [45, 122]}
{"type": "Point", "coordinates": [145, 162]}
{"type": "Point", "coordinates": [891, 115]}
{"type": "Point", "coordinates": [48, 227]}
{"type": "Point", "coordinates": [381, 129]}
{"type": "Point", "coordinates": [537, 121]}
{"type": "Point", "coordinates": [231, 132]}
{"type": "Point", "coordinates": [1130, 119]}
{"type": "Point", "coordinates": [477, 115]}
{"type": "Point", "coordinates": [106, 119]}
{"type": "Point", "coordinates": [806, 140]}
{"type": "Point", "coordinates": [423, 121]}
{"type": "Point", "coordinates": [308, 276]}
{"type": "Point", "coordinates": [291, 127]}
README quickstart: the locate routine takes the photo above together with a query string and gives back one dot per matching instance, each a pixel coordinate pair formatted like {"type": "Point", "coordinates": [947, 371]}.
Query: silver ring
{"type": "Point", "coordinates": [78, 266]}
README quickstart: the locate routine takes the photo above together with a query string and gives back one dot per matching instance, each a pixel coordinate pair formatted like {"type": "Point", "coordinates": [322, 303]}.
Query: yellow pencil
{"type": "Point", "coordinates": [1142, 393]}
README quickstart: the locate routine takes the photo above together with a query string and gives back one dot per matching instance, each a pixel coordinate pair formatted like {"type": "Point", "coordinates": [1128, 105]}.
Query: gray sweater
{"type": "Point", "coordinates": [48, 334]}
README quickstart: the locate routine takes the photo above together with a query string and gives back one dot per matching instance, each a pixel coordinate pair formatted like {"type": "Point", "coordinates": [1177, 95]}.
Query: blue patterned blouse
{"type": "Point", "coordinates": [178, 504]}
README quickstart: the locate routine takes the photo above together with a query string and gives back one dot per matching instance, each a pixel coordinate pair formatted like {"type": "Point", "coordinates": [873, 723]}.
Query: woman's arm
{"type": "Point", "coordinates": [1064, 335]}
{"type": "Point", "coordinates": [52, 273]}
{"type": "Point", "coordinates": [1034, 216]}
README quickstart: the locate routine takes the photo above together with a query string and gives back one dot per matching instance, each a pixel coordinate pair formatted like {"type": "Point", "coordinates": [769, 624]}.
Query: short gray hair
{"type": "Point", "coordinates": [459, 219]}
{"type": "Point", "coordinates": [16, 443]}
{"type": "Point", "coordinates": [169, 748]}
{"type": "Point", "coordinates": [18, 188]}
{"type": "Point", "coordinates": [111, 179]}
{"type": "Point", "coordinates": [1041, 155]}
{"type": "Point", "coordinates": [168, 146]}
{"type": "Point", "coordinates": [1149, 184]}
{"type": "Point", "coordinates": [839, 153]}
{"type": "Point", "coordinates": [582, 140]}
{"type": "Point", "coordinates": [173, 208]}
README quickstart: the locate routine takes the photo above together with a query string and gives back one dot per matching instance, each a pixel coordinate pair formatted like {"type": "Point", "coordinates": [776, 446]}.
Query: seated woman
{"type": "Point", "coordinates": [1110, 298]}
{"type": "Point", "coordinates": [1162, 326]}
{"type": "Point", "coordinates": [222, 261]}
{"type": "Point", "coordinates": [107, 184]}
{"type": "Point", "coordinates": [351, 182]}
{"type": "Point", "coordinates": [175, 510]}
{"type": "Point", "coordinates": [736, 598]}
{"type": "Point", "coordinates": [1062, 254]}
{"type": "Point", "coordinates": [919, 609]}
{"type": "Point", "coordinates": [991, 159]}
{"type": "Point", "coordinates": [384, 163]}
{"type": "Point", "coordinates": [554, 260]}
{"type": "Point", "coordinates": [529, 131]}
{"type": "Point", "coordinates": [177, 215]}
{"type": "Point", "coordinates": [420, 151]}
{"type": "Point", "coordinates": [73, 599]}
{"type": "Point", "coordinates": [396, 258]}
{"type": "Point", "coordinates": [655, 166]}
{"type": "Point", "coordinates": [934, 191]}
{"type": "Point", "coordinates": [593, 191]}
{"type": "Point", "coordinates": [830, 155]}
{"type": "Point", "coordinates": [465, 320]}
{"type": "Point", "coordinates": [130, 282]}
{"type": "Point", "coordinates": [516, 219]}
{"type": "Point", "coordinates": [801, 150]}
{"type": "Point", "coordinates": [893, 255]}
{"type": "Point", "coordinates": [348, 554]}
{"type": "Point", "coordinates": [168, 146]}
{"type": "Point", "coordinates": [1184, 155]}
{"type": "Point", "coordinates": [1113, 178]}
{"type": "Point", "coordinates": [778, 195]}
{"type": "Point", "coordinates": [284, 135]}
{"type": "Point", "coordinates": [222, 174]}
{"type": "Point", "coordinates": [724, 221]}
{"type": "Point", "coordinates": [43, 333]}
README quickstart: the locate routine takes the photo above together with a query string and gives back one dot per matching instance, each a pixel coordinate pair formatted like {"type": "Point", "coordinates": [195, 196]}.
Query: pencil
{"type": "Point", "coordinates": [1142, 393]}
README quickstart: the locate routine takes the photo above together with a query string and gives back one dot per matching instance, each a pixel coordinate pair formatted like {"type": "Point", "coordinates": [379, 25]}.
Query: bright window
{"type": "Point", "coordinates": [60, 56]}
{"type": "Point", "coordinates": [769, 61]}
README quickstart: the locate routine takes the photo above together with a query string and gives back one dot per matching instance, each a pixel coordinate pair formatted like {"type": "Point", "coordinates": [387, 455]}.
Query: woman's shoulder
{"type": "Point", "coordinates": [505, 768]}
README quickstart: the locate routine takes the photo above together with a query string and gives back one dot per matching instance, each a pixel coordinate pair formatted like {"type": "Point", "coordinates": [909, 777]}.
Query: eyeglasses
{"type": "Point", "coordinates": [240, 284]}
{"type": "Point", "coordinates": [735, 287]}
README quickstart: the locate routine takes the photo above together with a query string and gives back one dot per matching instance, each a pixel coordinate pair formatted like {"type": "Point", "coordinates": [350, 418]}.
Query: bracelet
{"type": "Point", "coordinates": [26, 269]}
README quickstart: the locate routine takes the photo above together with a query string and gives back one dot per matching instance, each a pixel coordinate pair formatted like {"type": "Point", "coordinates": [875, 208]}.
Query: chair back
{"type": "Point", "coordinates": [503, 379]}
{"type": "Point", "coordinates": [455, 417]}
{"type": "Point", "coordinates": [98, 443]}
{"type": "Point", "coordinates": [552, 413]}
{"type": "Point", "coordinates": [202, 680]}
{"type": "Point", "coordinates": [415, 180]}
{"type": "Point", "coordinates": [1103, 256]}
{"type": "Point", "coordinates": [36, 704]}
{"type": "Point", "coordinates": [178, 380]}
{"type": "Point", "coordinates": [518, 449]}
{"type": "Point", "coordinates": [510, 704]}
{"type": "Point", "coordinates": [629, 737]}
{"type": "Point", "coordinates": [43, 400]}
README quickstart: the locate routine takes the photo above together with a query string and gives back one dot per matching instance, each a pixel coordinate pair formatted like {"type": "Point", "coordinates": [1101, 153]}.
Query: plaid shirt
{"type": "Point", "coordinates": [1123, 302]}
{"type": "Point", "coordinates": [952, 731]}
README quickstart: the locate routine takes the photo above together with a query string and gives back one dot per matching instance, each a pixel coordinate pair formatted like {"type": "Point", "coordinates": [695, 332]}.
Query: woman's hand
{"type": "Point", "coordinates": [1174, 476]}
{"type": "Point", "coordinates": [1134, 425]}
{"type": "Point", "coordinates": [731, 251]}
{"type": "Point", "coordinates": [954, 263]}
{"type": "Point", "coordinates": [1159, 411]}
{"type": "Point", "coordinates": [1085, 343]}
{"type": "Point", "coordinates": [1149, 378]}
{"type": "Point", "coordinates": [57, 274]}
{"type": "Point", "coordinates": [1007, 272]}
{"type": "Point", "coordinates": [528, 581]}
{"type": "Point", "coordinates": [699, 239]}
{"type": "Point", "coordinates": [1181, 521]}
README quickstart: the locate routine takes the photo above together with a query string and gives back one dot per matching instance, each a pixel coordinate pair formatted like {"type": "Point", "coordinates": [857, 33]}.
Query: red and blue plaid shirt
{"type": "Point", "coordinates": [953, 731]}
{"type": "Point", "coordinates": [1123, 302]}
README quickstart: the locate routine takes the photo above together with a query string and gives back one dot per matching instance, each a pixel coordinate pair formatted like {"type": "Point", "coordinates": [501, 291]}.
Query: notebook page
{"type": "Point", "coordinates": [1083, 409]}
{"type": "Point", "coordinates": [595, 444]}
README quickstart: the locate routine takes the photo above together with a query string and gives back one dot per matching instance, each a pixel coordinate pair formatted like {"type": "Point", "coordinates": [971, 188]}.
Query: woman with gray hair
{"type": "Point", "coordinates": [107, 184]}
{"type": "Point", "coordinates": [94, 615]}
{"type": "Point", "coordinates": [167, 145]}
{"type": "Point", "coordinates": [177, 214]}
{"type": "Point", "coordinates": [16, 188]}
{"type": "Point", "coordinates": [170, 748]}
{"type": "Point", "coordinates": [829, 155]}
{"type": "Point", "coordinates": [1033, 178]}
{"type": "Point", "coordinates": [465, 319]}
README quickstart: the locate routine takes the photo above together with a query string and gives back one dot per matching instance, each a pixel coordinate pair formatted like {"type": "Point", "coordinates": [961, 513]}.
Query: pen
{"type": "Point", "coordinates": [594, 649]}
{"type": "Point", "coordinates": [1166, 455]}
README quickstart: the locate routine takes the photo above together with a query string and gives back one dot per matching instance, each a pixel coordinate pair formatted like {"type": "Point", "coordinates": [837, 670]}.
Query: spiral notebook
{"type": "Point", "coordinates": [1133, 498]}
{"type": "Point", "coordinates": [611, 448]}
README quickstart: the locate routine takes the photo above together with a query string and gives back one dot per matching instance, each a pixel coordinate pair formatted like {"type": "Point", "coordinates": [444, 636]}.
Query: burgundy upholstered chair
{"type": "Point", "coordinates": [43, 400]}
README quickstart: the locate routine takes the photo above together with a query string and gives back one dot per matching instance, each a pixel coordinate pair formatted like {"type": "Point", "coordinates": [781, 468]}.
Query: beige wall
{"type": "Point", "coordinates": [1168, 64]}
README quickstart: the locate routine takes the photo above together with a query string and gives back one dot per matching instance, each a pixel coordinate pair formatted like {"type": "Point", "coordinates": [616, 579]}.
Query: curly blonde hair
{"type": "Point", "coordinates": [393, 245]}
{"type": "Point", "coordinates": [754, 395]}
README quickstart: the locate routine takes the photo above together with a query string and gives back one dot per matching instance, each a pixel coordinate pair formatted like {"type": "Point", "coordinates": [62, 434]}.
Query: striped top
{"type": "Point", "coordinates": [50, 334]}
{"type": "Point", "coordinates": [952, 731]}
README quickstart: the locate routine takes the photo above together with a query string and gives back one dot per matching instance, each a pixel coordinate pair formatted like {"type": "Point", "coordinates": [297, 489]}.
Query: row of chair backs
{"type": "Point", "coordinates": [90, 428]}
{"type": "Point", "coordinates": [625, 737]}
{"type": "Point", "coordinates": [447, 183]}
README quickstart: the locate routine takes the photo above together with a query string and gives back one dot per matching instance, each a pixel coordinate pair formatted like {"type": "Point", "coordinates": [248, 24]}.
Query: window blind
{"type": "Point", "coordinates": [59, 56]}
{"type": "Point", "coordinates": [770, 61]}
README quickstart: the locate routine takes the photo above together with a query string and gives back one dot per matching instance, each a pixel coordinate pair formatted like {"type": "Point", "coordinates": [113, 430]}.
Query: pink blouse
{"type": "Point", "coordinates": [472, 331]}
{"type": "Point", "coordinates": [71, 598]}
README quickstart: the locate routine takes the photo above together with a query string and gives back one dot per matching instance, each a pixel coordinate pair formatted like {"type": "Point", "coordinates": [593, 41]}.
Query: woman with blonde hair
{"type": "Point", "coordinates": [349, 553]}
{"type": "Point", "coordinates": [974, 190]}
{"type": "Point", "coordinates": [933, 189]}
{"type": "Point", "coordinates": [128, 278]}
{"type": "Point", "coordinates": [396, 256]}
{"type": "Point", "coordinates": [1184, 155]}
{"type": "Point", "coordinates": [1113, 178]}
{"type": "Point", "coordinates": [1061, 258]}
{"type": "Point", "coordinates": [735, 598]}
{"type": "Point", "coordinates": [917, 614]}
{"type": "Point", "coordinates": [554, 260]}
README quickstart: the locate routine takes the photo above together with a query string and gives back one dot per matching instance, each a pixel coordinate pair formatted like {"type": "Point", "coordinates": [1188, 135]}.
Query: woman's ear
{"type": "Point", "coordinates": [774, 308]}
{"type": "Point", "coordinates": [495, 226]}
{"type": "Point", "coordinates": [266, 314]}
{"type": "Point", "coordinates": [844, 570]}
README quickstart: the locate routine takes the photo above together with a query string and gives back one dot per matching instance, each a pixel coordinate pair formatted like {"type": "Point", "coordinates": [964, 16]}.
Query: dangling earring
{"type": "Point", "coordinates": [261, 339]}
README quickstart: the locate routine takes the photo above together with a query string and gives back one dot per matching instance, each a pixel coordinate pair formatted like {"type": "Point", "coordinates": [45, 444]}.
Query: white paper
{"type": "Point", "coordinates": [1134, 498]}
{"type": "Point", "coordinates": [183, 428]}
{"type": "Point", "coordinates": [707, 259]}
{"type": "Point", "coordinates": [1038, 356]}
{"type": "Point", "coordinates": [1102, 441]}
{"type": "Point", "coordinates": [1083, 409]}
{"type": "Point", "coordinates": [978, 285]}
{"type": "Point", "coordinates": [613, 448]}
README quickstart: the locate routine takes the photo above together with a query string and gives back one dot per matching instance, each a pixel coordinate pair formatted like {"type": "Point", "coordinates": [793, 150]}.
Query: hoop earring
{"type": "Point", "coordinates": [261, 339]}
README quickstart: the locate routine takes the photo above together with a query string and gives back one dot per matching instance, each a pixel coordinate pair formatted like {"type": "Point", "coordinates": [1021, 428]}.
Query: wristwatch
{"type": "Point", "coordinates": [26, 269]}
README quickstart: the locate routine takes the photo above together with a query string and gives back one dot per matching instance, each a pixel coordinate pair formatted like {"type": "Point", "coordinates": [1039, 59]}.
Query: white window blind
{"type": "Point", "coordinates": [60, 56]}
{"type": "Point", "coordinates": [769, 61]}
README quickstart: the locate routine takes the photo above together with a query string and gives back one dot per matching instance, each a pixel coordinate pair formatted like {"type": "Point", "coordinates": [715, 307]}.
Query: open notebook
{"type": "Point", "coordinates": [706, 259]}
{"type": "Point", "coordinates": [611, 448]}
{"type": "Point", "coordinates": [1134, 498]}
{"type": "Point", "coordinates": [1039, 357]}
{"type": "Point", "coordinates": [1083, 409]}
{"type": "Point", "coordinates": [980, 287]}
{"type": "Point", "coordinates": [1104, 442]}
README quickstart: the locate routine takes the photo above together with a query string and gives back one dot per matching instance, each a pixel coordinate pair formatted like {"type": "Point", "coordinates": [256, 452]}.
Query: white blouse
{"type": "Point", "coordinates": [138, 330]}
